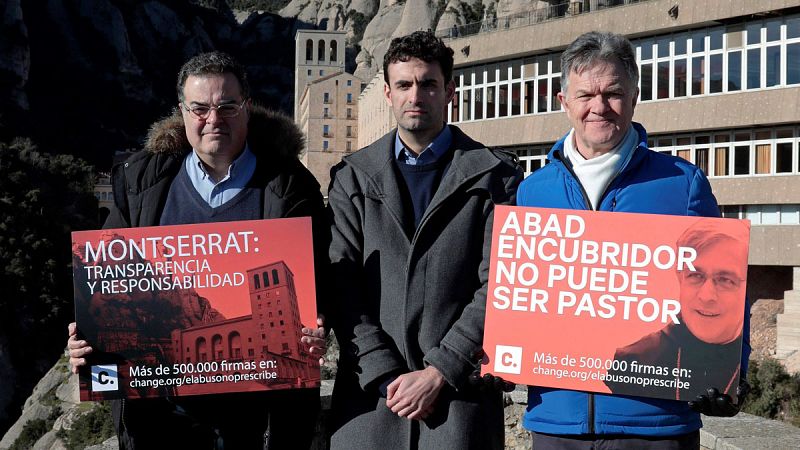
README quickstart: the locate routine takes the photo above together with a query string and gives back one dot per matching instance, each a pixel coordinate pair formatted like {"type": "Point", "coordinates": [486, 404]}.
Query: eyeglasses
{"type": "Point", "coordinates": [722, 282]}
{"type": "Point", "coordinates": [227, 110]}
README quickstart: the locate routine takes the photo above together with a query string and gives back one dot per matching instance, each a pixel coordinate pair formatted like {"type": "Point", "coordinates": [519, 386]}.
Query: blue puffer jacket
{"type": "Point", "coordinates": [651, 183]}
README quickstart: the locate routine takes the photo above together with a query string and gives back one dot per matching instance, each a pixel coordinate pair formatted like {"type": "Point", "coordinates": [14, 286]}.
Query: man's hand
{"type": "Point", "coordinates": [489, 381]}
{"type": "Point", "coordinates": [78, 349]}
{"type": "Point", "coordinates": [713, 403]}
{"type": "Point", "coordinates": [413, 395]}
{"type": "Point", "coordinates": [314, 339]}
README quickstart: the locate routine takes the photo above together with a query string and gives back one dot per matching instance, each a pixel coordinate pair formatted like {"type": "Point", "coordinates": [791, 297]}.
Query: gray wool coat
{"type": "Point", "coordinates": [406, 302]}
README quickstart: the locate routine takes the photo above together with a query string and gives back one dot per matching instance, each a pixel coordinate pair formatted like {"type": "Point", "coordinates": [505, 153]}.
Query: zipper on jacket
{"type": "Point", "coordinates": [583, 191]}
{"type": "Point", "coordinates": [590, 406]}
{"type": "Point", "coordinates": [575, 177]}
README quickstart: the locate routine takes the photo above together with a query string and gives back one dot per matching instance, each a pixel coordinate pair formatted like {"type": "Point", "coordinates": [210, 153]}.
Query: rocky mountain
{"type": "Point", "coordinates": [87, 77]}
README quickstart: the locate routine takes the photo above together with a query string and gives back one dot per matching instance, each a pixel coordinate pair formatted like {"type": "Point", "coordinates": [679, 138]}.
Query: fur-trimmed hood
{"type": "Point", "coordinates": [268, 132]}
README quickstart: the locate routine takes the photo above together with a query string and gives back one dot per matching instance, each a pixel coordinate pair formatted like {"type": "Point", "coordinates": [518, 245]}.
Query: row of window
{"type": "Point", "coordinates": [333, 52]}
{"type": "Point", "coordinates": [326, 113]}
{"type": "Point", "coordinates": [526, 86]}
{"type": "Point", "coordinates": [257, 281]}
{"type": "Point", "coordinates": [731, 58]}
{"type": "Point", "coordinates": [743, 152]}
{"type": "Point", "coordinates": [757, 54]}
{"type": "Point", "coordinates": [348, 145]}
{"type": "Point", "coordinates": [764, 214]}
{"type": "Point", "coordinates": [326, 131]}
{"type": "Point", "coordinates": [737, 152]}
{"type": "Point", "coordinates": [326, 96]}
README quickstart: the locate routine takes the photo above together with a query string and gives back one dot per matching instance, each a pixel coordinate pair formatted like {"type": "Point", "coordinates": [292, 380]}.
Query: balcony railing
{"type": "Point", "coordinates": [537, 15]}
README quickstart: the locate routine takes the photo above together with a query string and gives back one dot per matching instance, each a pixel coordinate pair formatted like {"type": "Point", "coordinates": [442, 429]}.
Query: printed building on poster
{"type": "Point", "coordinates": [720, 85]}
{"type": "Point", "coordinates": [271, 333]}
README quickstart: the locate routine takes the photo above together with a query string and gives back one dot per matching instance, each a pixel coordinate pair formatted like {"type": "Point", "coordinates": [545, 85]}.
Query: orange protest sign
{"type": "Point", "coordinates": [622, 303]}
{"type": "Point", "coordinates": [195, 309]}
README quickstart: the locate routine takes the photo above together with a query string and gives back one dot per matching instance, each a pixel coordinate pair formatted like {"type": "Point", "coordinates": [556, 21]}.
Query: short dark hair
{"type": "Point", "coordinates": [422, 45]}
{"type": "Point", "coordinates": [213, 63]}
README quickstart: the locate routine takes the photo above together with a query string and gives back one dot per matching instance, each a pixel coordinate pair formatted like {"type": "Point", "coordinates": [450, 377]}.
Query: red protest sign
{"type": "Point", "coordinates": [635, 304]}
{"type": "Point", "coordinates": [195, 309]}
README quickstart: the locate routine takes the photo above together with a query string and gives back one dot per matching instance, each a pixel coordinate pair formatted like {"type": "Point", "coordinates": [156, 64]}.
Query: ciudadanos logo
{"type": "Point", "coordinates": [508, 359]}
{"type": "Point", "coordinates": [104, 378]}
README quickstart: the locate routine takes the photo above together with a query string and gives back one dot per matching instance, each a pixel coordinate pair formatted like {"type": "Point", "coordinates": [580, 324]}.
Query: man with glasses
{"type": "Point", "coordinates": [219, 158]}
{"type": "Point", "coordinates": [603, 164]}
{"type": "Point", "coordinates": [710, 322]}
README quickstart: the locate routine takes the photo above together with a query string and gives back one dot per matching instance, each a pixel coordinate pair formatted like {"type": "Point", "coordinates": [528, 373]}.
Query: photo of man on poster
{"type": "Point", "coordinates": [707, 340]}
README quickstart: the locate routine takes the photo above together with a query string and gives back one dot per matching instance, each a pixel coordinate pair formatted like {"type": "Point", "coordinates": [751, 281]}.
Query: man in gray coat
{"type": "Point", "coordinates": [412, 216]}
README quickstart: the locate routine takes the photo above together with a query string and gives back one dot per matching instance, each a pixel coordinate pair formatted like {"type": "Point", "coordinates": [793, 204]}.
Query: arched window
{"type": "Point", "coordinates": [216, 347]}
{"type": "Point", "coordinates": [266, 279]}
{"type": "Point", "coordinates": [332, 55]}
{"type": "Point", "coordinates": [201, 350]}
{"type": "Point", "coordinates": [257, 281]}
{"type": "Point", "coordinates": [321, 50]}
{"type": "Point", "coordinates": [275, 276]}
{"type": "Point", "coordinates": [309, 50]}
{"type": "Point", "coordinates": [235, 345]}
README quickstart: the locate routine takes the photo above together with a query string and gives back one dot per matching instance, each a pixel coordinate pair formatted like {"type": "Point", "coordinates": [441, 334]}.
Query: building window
{"type": "Point", "coordinates": [308, 72]}
{"type": "Point", "coordinates": [309, 50]}
{"type": "Point", "coordinates": [275, 279]}
{"type": "Point", "coordinates": [788, 214]}
{"type": "Point", "coordinates": [532, 158]}
{"type": "Point", "coordinates": [265, 278]}
{"type": "Point", "coordinates": [256, 282]}
{"type": "Point", "coordinates": [349, 146]}
{"type": "Point", "coordinates": [325, 145]}
{"type": "Point", "coordinates": [326, 97]}
{"type": "Point", "coordinates": [349, 83]}
{"type": "Point", "coordinates": [349, 97]}
{"type": "Point", "coordinates": [326, 130]}
{"type": "Point", "coordinates": [349, 113]}
{"type": "Point", "coordinates": [730, 58]}
{"type": "Point", "coordinates": [321, 50]}
{"type": "Point", "coordinates": [349, 131]}
{"type": "Point", "coordinates": [321, 72]}
{"type": "Point", "coordinates": [333, 55]}
{"type": "Point", "coordinates": [736, 153]}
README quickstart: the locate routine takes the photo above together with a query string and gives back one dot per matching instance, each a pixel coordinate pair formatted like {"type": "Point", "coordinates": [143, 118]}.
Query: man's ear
{"type": "Point", "coordinates": [450, 90]}
{"type": "Point", "coordinates": [387, 91]}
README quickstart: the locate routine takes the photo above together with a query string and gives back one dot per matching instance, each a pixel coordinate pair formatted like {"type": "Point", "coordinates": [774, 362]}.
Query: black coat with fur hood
{"type": "Point", "coordinates": [141, 185]}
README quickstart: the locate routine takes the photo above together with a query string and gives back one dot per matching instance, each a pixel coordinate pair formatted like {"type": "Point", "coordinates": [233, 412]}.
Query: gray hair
{"type": "Point", "coordinates": [594, 46]}
{"type": "Point", "coordinates": [213, 63]}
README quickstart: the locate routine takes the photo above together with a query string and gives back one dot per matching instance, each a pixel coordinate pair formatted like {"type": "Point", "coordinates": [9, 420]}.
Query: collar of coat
{"type": "Point", "coordinates": [269, 133]}
{"type": "Point", "coordinates": [470, 159]}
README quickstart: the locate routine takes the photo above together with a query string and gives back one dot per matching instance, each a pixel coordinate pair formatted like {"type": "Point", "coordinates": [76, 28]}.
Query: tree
{"type": "Point", "coordinates": [43, 197]}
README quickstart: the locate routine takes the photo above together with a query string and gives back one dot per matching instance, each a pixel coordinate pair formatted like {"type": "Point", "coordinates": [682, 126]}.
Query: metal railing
{"type": "Point", "coordinates": [537, 15]}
